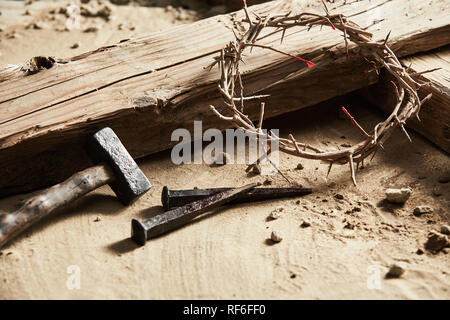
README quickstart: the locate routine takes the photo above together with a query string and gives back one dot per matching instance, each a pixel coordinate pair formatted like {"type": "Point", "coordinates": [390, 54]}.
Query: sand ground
{"type": "Point", "coordinates": [226, 254]}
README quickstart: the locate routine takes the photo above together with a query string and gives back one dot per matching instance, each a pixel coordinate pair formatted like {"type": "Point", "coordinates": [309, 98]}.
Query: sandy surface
{"type": "Point", "coordinates": [21, 39]}
{"type": "Point", "coordinates": [226, 254]}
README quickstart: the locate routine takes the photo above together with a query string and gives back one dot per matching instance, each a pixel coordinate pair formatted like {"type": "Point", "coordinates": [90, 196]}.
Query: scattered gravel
{"type": "Point", "coordinates": [339, 196]}
{"type": "Point", "coordinates": [436, 242]}
{"type": "Point", "coordinates": [396, 270]}
{"type": "Point", "coordinates": [305, 224]}
{"type": "Point", "coordinates": [276, 213]}
{"type": "Point", "coordinates": [444, 177]}
{"type": "Point", "coordinates": [332, 184]}
{"type": "Point", "coordinates": [445, 229]}
{"type": "Point", "coordinates": [276, 236]}
{"type": "Point", "coordinates": [90, 29]}
{"type": "Point", "coordinates": [38, 25]}
{"type": "Point", "coordinates": [420, 210]}
{"type": "Point", "coordinates": [398, 195]}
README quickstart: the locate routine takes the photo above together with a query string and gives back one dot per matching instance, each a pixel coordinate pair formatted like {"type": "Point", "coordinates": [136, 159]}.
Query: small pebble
{"type": "Point", "coordinates": [90, 29]}
{"type": "Point", "coordinates": [420, 210]}
{"type": "Point", "coordinates": [398, 195]}
{"type": "Point", "coordinates": [299, 167]}
{"type": "Point", "coordinates": [396, 270]}
{"type": "Point", "coordinates": [61, 29]}
{"type": "Point", "coordinates": [444, 177]}
{"type": "Point", "coordinates": [436, 242]}
{"type": "Point", "coordinates": [420, 252]}
{"type": "Point", "coordinates": [276, 236]}
{"type": "Point", "coordinates": [38, 25]}
{"type": "Point", "coordinates": [349, 226]}
{"type": "Point", "coordinates": [276, 213]}
{"type": "Point", "coordinates": [339, 196]}
{"type": "Point", "coordinates": [75, 45]}
{"type": "Point", "coordinates": [97, 219]}
{"type": "Point", "coordinates": [305, 224]}
{"type": "Point", "coordinates": [445, 229]}
{"type": "Point", "coordinates": [346, 145]}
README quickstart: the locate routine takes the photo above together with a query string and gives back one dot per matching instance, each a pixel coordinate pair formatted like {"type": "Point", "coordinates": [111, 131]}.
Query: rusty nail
{"type": "Point", "coordinates": [173, 219]}
{"type": "Point", "coordinates": [177, 198]}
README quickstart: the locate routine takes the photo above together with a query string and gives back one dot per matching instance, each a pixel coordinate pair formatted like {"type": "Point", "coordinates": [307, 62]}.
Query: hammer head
{"type": "Point", "coordinates": [130, 182]}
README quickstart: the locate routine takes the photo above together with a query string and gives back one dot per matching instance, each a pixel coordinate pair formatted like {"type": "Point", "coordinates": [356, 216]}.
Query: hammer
{"type": "Point", "coordinates": [116, 167]}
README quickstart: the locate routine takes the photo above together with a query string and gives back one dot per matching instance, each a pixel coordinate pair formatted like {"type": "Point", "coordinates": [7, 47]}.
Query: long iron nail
{"type": "Point", "coordinates": [177, 198]}
{"type": "Point", "coordinates": [173, 219]}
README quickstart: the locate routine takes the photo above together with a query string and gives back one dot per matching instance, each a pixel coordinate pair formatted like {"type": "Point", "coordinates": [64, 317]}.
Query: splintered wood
{"type": "Point", "coordinates": [145, 88]}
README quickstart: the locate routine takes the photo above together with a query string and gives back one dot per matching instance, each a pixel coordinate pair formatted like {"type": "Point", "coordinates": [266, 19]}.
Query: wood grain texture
{"type": "Point", "coordinates": [434, 116]}
{"type": "Point", "coordinates": [144, 88]}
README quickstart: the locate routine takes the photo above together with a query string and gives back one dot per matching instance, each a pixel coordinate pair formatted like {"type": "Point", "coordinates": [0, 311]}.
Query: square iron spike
{"type": "Point", "coordinates": [173, 219]}
{"type": "Point", "coordinates": [176, 198]}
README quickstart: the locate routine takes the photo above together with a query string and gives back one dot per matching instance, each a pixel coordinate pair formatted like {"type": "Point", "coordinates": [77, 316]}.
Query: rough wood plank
{"type": "Point", "coordinates": [145, 88]}
{"type": "Point", "coordinates": [435, 113]}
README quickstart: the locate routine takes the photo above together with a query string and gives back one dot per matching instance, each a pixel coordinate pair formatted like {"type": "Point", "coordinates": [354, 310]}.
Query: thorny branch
{"type": "Point", "coordinates": [231, 87]}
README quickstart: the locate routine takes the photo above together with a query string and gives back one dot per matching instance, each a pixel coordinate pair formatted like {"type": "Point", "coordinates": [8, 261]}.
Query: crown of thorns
{"type": "Point", "coordinates": [405, 85]}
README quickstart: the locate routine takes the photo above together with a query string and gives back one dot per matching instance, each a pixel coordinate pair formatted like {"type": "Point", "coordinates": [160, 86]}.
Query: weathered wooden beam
{"type": "Point", "coordinates": [434, 116]}
{"type": "Point", "coordinates": [145, 88]}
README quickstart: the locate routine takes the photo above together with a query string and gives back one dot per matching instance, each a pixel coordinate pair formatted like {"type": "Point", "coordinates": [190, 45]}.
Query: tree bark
{"type": "Point", "coordinates": [145, 88]}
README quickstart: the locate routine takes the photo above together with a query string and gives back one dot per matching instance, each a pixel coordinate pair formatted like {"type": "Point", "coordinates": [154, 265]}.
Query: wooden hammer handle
{"type": "Point", "coordinates": [41, 205]}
